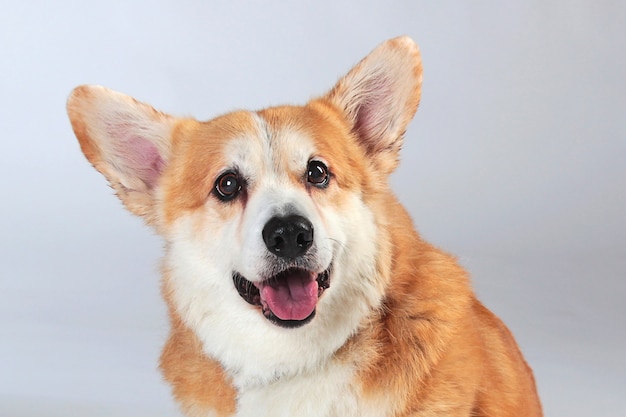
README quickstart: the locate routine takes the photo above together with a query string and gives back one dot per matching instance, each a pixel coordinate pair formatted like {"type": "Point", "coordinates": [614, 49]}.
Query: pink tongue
{"type": "Point", "coordinates": [293, 297]}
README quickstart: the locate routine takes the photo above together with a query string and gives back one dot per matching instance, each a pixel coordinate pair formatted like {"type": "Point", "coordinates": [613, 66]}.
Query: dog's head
{"type": "Point", "coordinates": [274, 220]}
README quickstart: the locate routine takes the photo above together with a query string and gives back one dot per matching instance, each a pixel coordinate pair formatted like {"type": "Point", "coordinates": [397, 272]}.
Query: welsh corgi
{"type": "Point", "coordinates": [295, 281]}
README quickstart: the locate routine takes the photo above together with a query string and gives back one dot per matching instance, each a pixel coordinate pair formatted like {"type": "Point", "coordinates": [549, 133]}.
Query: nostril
{"type": "Point", "coordinates": [304, 239]}
{"type": "Point", "coordinates": [278, 243]}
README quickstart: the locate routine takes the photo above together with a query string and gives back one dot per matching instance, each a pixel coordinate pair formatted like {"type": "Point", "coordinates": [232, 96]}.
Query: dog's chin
{"type": "Point", "coordinates": [287, 299]}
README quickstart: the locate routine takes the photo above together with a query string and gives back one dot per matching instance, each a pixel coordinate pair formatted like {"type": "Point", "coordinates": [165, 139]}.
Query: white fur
{"type": "Point", "coordinates": [326, 392]}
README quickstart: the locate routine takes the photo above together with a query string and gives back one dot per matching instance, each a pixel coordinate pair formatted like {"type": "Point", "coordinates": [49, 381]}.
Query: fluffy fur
{"type": "Point", "coordinates": [398, 332]}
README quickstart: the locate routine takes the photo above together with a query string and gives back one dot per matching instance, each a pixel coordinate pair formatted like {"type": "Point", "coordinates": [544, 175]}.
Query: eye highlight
{"type": "Point", "coordinates": [228, 185]}
{"type": "Point", "coordinates": [317, 174]}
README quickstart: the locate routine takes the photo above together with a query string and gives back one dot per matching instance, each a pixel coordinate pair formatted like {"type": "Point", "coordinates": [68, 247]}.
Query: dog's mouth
{"type": "Point", "coordinates": [287, 299]}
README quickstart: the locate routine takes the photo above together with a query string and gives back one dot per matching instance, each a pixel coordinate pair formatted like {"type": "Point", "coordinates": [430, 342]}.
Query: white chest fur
{"type": "Point", "coordinates": [329, 393]}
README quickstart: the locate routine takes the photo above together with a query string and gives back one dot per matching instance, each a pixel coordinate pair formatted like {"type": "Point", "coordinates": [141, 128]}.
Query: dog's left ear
{"type": "Point", "coordinates": [379, 97]}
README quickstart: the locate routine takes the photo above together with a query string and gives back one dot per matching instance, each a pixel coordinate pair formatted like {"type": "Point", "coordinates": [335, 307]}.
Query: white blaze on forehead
{"type": "Point", "coordinates": [270, 154]}
{"type": "Point", "coordinates": [292, 150]}
{"type": "Point", "coordinates": [249, 153]}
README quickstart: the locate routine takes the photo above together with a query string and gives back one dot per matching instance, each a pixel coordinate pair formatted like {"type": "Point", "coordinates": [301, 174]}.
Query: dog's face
{"type": "Point", "coordinates": [270, 211]}
{"type": "Point", "coordinates": [275, 242]}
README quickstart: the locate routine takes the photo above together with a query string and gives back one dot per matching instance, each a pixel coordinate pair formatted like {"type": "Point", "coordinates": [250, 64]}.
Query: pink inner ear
{"type": "Point", "coordinates": [375, 113]}
{"type": "Point", "coordinates": [141, 159]}
{"type": "Point", "coordinates": [134, 156]}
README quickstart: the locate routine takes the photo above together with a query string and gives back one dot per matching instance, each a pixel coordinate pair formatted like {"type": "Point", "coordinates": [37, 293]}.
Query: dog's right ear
{"type": "Point", "coordinates": [127, 141]}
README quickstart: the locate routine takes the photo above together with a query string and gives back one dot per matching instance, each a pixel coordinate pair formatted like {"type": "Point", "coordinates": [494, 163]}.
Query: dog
{"type": "Point", "coordinates": [295, 281]}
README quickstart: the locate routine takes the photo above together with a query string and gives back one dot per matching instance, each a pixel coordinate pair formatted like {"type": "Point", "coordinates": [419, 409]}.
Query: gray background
{"type": "Point", "coordinates": [516, 162]}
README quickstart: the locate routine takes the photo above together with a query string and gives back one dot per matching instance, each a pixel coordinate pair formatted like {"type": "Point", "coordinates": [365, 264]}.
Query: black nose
{"type": "Point", "coordinates": [288, 237]}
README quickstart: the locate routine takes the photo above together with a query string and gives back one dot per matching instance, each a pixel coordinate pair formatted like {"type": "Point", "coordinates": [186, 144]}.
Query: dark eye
{"type": "Point", "coordinates": [228, 186]}
{"type": "Point", "coordinates": [317, 174]}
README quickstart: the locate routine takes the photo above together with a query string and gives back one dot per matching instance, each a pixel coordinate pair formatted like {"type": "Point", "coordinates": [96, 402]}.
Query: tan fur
{"type": "Point", "coordinates": [431, 348]}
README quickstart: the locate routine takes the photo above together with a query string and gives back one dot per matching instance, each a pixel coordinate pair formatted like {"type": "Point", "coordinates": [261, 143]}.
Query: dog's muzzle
{"type": "Point", "coordinates": [287, 298]}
